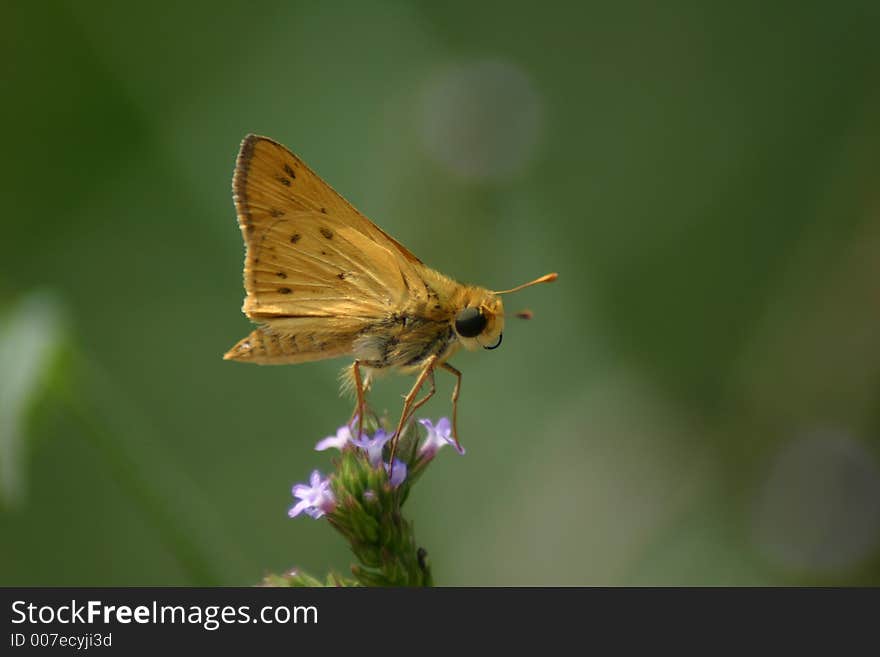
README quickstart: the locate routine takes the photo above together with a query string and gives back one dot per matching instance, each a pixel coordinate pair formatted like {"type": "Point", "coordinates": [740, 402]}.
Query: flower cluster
{"type": "Point", "coordinates": [317, 499]}
{"type": "Point", "coordinates": [362, 500]}
{"type": "Point", "coordinates": [372, 448]}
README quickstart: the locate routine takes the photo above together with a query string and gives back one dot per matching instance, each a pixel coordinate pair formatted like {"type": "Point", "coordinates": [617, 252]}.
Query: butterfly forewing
{"type": "Point", "coordinates": [312, 264]}
{"type": "Point", "coordinates": [316, 270]}
{"type": "Point", "coordinates": [268, 176]}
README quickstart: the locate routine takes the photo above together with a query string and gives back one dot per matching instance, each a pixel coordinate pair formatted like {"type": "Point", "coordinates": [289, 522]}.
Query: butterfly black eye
{"type": "Point", "coordinates": [470, 322]}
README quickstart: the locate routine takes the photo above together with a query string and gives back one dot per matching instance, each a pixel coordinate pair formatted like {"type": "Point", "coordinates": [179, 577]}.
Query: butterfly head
{"type": "Point", "coordinates": [480, 322]}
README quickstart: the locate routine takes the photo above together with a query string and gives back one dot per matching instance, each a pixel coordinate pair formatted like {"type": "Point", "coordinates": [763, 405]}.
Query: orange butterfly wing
{"type": "Point", "coordinates": [316, 270]}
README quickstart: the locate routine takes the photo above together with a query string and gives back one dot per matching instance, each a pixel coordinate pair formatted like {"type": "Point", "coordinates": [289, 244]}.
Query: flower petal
{"type": "Point", "coordinates": [331, 441]}
{"type": "Point", "coordinates": [437, 436]}
{"type": "Point", "coordinates": [373, 446]}
{"type": "Point", "coordinates": [444, 427]}
{"type": "Point", "coordinates": [298, 508]}
{"type": "Point", "coordinates": [314, 512]}
{"type": "Point", "coordinates": [398, 473]}
{"type": "Point", "coordinates": [301, 491]}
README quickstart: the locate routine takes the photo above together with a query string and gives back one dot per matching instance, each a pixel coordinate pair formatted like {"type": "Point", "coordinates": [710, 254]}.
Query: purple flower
{"type": "Point", "coordinates": [340, 440]}
{"type": "Point", "coordinates": [438, 435]}
{"type": "Point", "coordinates": [315, 499]}
{"type": "Point", "coordinates": [373, 446]}
{"type": "Point", "coordinates": [398, 473]}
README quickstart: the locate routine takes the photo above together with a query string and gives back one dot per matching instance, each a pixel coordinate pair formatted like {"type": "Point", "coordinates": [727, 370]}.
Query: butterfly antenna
{"type": "Point", "coordinates": [546, 278]}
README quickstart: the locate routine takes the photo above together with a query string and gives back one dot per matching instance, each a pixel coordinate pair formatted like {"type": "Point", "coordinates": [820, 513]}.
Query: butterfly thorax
{"type": "Point", "coordinates": [425, 325]}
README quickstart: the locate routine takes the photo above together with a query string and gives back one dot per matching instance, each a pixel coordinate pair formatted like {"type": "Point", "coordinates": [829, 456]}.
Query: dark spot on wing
{"type": "Point", "coordinates": [284, 290]}
{"type": "Point", "coordinates": [281, 274]}
{"type": "Point", "coordinates": [284, 181]}
{"type": "Point", "coordinates": [341, 276]}
{"type": "Point", "coordinates": [326, 232]}
{"type": "Point", "coordinates": [323, 210]}
{"type": "Point", "coordinates": [296, 237]}
{"type": "Point", "coordinates": [275, 212]}
{"type": "Point", "coordinates": [289, 171]}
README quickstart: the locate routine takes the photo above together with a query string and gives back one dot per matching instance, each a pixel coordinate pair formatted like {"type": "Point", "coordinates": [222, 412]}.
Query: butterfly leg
{"type": "Point", "coordinates": [449, 368]}
{"type": "Point", "coordinates": [409, 403]}
{"type": "Point", "coordinates": [416, 406]}
{"type": "Point", "coordinates": [360, 407]}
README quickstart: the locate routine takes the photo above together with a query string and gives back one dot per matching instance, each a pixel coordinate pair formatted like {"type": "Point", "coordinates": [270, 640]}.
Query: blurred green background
{"type": "Point", "coordinates": [696, 402]}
